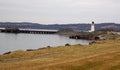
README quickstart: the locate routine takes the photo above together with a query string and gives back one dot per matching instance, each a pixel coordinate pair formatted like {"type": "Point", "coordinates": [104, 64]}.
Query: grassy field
{"type": "Point", "coordinates": [101, 55]}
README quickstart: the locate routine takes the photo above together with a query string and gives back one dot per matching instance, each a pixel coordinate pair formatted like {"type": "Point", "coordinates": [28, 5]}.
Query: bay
{"type": "Point", "coordinates": [11, 42]}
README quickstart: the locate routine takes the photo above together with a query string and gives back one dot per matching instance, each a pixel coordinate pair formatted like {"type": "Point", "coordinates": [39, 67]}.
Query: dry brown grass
{"type": "Point", "coordinates": [101, 55]}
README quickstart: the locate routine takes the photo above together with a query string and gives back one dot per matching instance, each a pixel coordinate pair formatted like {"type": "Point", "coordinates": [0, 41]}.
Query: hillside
{"type": "Point", "coordinates": [101, 55]}
{"type": "Point", "coordinates": [77, 26]}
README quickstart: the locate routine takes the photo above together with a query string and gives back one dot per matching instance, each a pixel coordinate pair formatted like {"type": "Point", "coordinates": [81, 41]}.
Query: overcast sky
{"type": "Point", "coordinates": [60, 11]}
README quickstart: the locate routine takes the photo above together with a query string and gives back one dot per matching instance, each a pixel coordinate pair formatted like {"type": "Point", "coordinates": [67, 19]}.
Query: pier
{"type": "Point", "coordinates": [28, 31]}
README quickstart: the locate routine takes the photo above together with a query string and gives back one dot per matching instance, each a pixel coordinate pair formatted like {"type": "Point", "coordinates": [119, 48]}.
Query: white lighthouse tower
{"type": "Point", "coordinates": [92, 27]}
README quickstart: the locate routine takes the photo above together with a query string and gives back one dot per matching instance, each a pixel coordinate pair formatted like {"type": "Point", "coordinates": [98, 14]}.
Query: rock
{"type": "Point", "coordinates": [41, 48]}
{"type": "Point", "coordinates": [30, 49]}
{"type": "Point", "coordinates": [7, 52]}
{"type": "Point", "coordinates": [92, 42]}
{"type": "Point", "coordinates": [48, 46]}
{"type": "Point", "coordinates": [67, 44]}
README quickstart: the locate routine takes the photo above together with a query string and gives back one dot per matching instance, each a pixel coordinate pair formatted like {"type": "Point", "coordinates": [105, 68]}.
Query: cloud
{"type": "Point", "coordinates": [60, 11]}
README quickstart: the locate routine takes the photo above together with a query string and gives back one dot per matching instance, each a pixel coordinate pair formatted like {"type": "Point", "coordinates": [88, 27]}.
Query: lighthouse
{"type": "Point", "coordinates": [92, 27]}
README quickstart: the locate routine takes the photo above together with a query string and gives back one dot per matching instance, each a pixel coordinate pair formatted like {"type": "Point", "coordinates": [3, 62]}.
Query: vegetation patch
{"type": "Point", "coordinates": [86, 66]}
{"type": "Point", "coordinates": [116, 67]}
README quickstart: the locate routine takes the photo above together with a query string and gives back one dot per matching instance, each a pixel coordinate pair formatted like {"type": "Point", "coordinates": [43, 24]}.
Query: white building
{"type": "Point", "coordinates": [92, 27]}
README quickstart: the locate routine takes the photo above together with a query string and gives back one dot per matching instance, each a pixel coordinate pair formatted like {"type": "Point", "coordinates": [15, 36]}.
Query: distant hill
{"type": "Point", "coordinates": [77, 27]}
